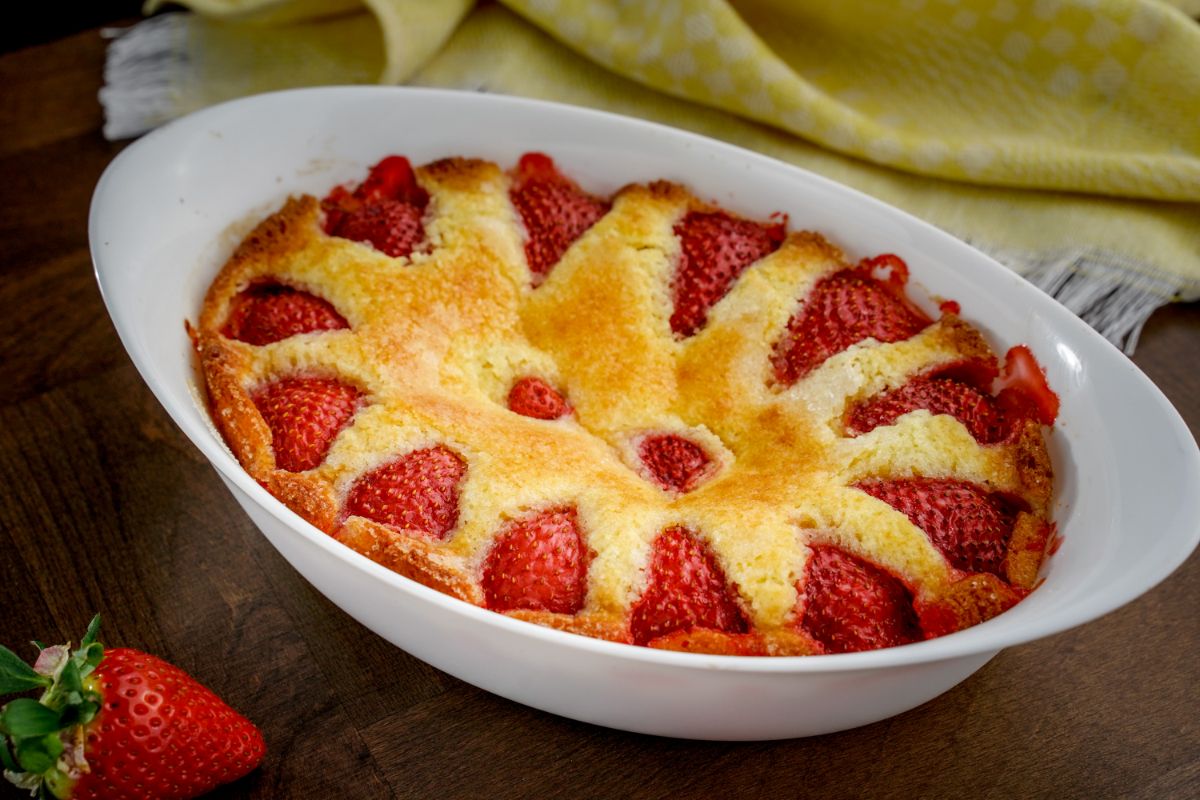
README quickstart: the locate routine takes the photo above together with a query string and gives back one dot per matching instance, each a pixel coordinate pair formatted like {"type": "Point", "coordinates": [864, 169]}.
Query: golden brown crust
{"type": "Point", "coordinates": [412, 556]}
{"type": "Point", "coordinates": [597, 626]}
{"type": "Point", "coordinates": [286, 231]}
{"type": "Point", "coordinates": [310, 498]}
{"type": "Point", "coordinates": [225, 366]}
{"type": "Point", "coordinates": [437, 339]}
{"type": "Point", "coordinates": [779, 642]}
{"type": "Point", "coordinates": [1026, 550]}
{"type": "Point", "coordinates": [1032, 462]}
{"type": "Point", "coordinates": [967, 602]}
{"type": "Point", "coordinates": [964, 339]}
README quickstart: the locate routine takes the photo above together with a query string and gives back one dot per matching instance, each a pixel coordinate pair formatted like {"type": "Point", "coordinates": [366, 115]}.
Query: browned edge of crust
{"type": "Point", "coordinates": [232, 409]}
{"type": "Point", "coordinates": [285, 231]}
{"type": "Point", "coordinates": [413, 556]}
{"type": "Point", "coordinates": [1032, 461]}
{"type": "Point", "coordinates": [598, 626]}
{"type": "Point", "coordinates": [457, 172]}
{"type": "Point", "coordinates": [310, 498]}
{"type": "Point", "coordinates": [965, 338]}
{"type": "Point", "coordinates": [778, 642]}
{"type": "Point", "coordinates": [1026, 550]}
{"type": "Point", "coordinates": [977, 598]}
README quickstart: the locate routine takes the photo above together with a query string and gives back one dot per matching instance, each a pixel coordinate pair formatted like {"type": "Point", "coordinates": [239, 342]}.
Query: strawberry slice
{"type": "Point", "coordinates": [533, 397]}
{"type": "Point", "coordinates": [554, 209]}
{"type": "Point", "coordinates": [391, 227]}
{"type": "Point", "coordinates": [674, 463]}
{"type": "Point", "coordinates": [416, 493]}
{"type": "Point", "coordinates": [947, 391]}
{"type": "Point", "coordinates": [305, 415]}
{"type": "Point", "coordinates": [843, 309]}
{"type": "Point", "coordinates": [715, 248]}
{"type": "Point", "coordinates": [970, 526]}
{"type": "Point", "coordinates": [851, 605]}
{"type": "Point", "coordinates": [538, 563]}
{"type": "Point", "coordinates": [1024, 392]}
{"type": "Point", "coordinates": [385, 210]}
{"type": "Point", "coordinates": [268, 312]}
{"type": "Point", "coordinates": [686, 589]}
{"type": "Point", "coordinates": [392, 179]}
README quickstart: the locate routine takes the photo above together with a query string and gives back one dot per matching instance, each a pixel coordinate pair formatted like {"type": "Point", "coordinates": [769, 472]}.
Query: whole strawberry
{"type": "Point", "coordinates": [118, 724]}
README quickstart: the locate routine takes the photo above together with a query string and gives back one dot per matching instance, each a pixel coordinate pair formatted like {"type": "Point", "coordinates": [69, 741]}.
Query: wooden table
{"type": "Point", "coordinates": [105, 506]}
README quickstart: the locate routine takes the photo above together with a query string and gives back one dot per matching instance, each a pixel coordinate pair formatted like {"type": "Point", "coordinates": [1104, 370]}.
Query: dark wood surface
{"type": "Point", "coordinates": [105, 506]}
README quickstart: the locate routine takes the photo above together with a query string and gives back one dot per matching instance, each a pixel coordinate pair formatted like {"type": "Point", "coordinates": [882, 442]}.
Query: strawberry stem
{"type": "Point", "coordinates": [31, 744]}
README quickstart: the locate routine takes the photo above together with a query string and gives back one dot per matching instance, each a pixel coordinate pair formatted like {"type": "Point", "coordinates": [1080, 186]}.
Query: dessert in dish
{"type": "Point", "coordinates": [640, 418]}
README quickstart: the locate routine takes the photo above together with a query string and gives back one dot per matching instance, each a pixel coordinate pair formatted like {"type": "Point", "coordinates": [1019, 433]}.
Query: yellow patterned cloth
{"type": "Point", "coordinates": [1062, 136]}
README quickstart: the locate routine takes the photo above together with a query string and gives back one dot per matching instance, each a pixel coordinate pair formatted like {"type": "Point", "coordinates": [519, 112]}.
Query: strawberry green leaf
{"type": "Point", "coordinates": [77, 711]}
{"type": "Point", "coordinates": [16, 675]}
{"type": "Point", "coordinates": [33, 756]}
{"type": "Point", "coordinates": [88, 657]}
{"type": "Point", "coordinates": [53, 745]}
{"type": "Point", "coordinates": [27, 717]}
{"type": "Point", "coordinates": [87, 711]}
{"type": "Point", "coordinates": [6, 757]}
{"type": "Point", "coordinates": [38, 644]}
{"type": "Point", "coordinates": [70, 680]}
{"type": "Point", "coordinates": [92, 630]}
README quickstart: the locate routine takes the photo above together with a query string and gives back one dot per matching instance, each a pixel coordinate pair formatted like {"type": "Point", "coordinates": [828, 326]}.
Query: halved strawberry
{"type": "Point", "coordinates": [1023, 390]}
{"type": "Point", "coordinates": [385, 210]}
{"type": "Point", "coordinates": [686, 589]}
{"type": "Point", "coordinates": [417, 492]}
{"type": "Point", "coordinates": [715, 248]}
{"type": "Point", "coordinates": [842, 309]}
{"type": "Point", "coordinates": [851, 605]}
{"type": "Point", "coordinates": [941, 392]}
{"type": "Point", "coordinates": [305, 415]}
{"type": "Point", "coordinates": [554, 209]}
{"type": "Point", "coordinates": [538, 563]}
{"type": "Point", "coordinates": [673, 462]}
{"type": "Point", "coordinates": [392, 179]}
{"type": "Point", "coordinates": [970, 526]}
{"type": "Point", "coordinates": [533, 397]}
{"type": "Point", "coordinates": [268, 312]}
{"type": "Point", "coordinates": [390, 226]}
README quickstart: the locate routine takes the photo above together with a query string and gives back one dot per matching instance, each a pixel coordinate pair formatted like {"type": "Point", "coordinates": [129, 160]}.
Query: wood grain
{"type": "Point", "coordinates": [104, 506]}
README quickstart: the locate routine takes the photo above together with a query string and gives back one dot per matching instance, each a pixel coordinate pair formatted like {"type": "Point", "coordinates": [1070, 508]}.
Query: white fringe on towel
{"type": "Point", "coordinates": [141, 70]}
{"type": "Point", "coordinates": [1111, 292]}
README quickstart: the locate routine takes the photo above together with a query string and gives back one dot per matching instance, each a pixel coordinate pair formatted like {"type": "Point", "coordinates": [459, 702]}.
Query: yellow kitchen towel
{"type": "Point", "coordinates": [1062, 136]}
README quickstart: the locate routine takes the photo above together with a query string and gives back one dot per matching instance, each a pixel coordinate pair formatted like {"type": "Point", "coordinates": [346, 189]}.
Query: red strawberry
{"type": "Point", "coordinates": [674, 463]}
{"type": "Point", "coordinates": [1024, 393]}
{"type": "Point", "coordinates": [119, 725]}
{"type": "Point", "coordinates": [715, 248]}
{"type": "Point", "coordinates": [686, 589]}
{"type": "Point", "coordinates": [844, 308]}
{"type": "Point", "coordinates": [554, 209]}
{"type": "Point", "coordinates": [268, 312]}
{"type": "Point", "coordinates": [391, 227]}
{"type": "Point", "coordinates": [967, 524]}
{"type": "Point", "coordinates": [533, 397]}
{"type": "Point", "coordinates": [385, 210]}
{"type": "Point", "coordinates": [939, 394]}
{"type": "Point", "coordinates": [538, 563]}
{"type": "Point", "coordinates": [851, 605]}
{"type": "Point", "coordinates": [417, 492]}
{"type": "Point", "coordinates": [392, 179]}
{"type": "Point", "coordinates": [304, 415]}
